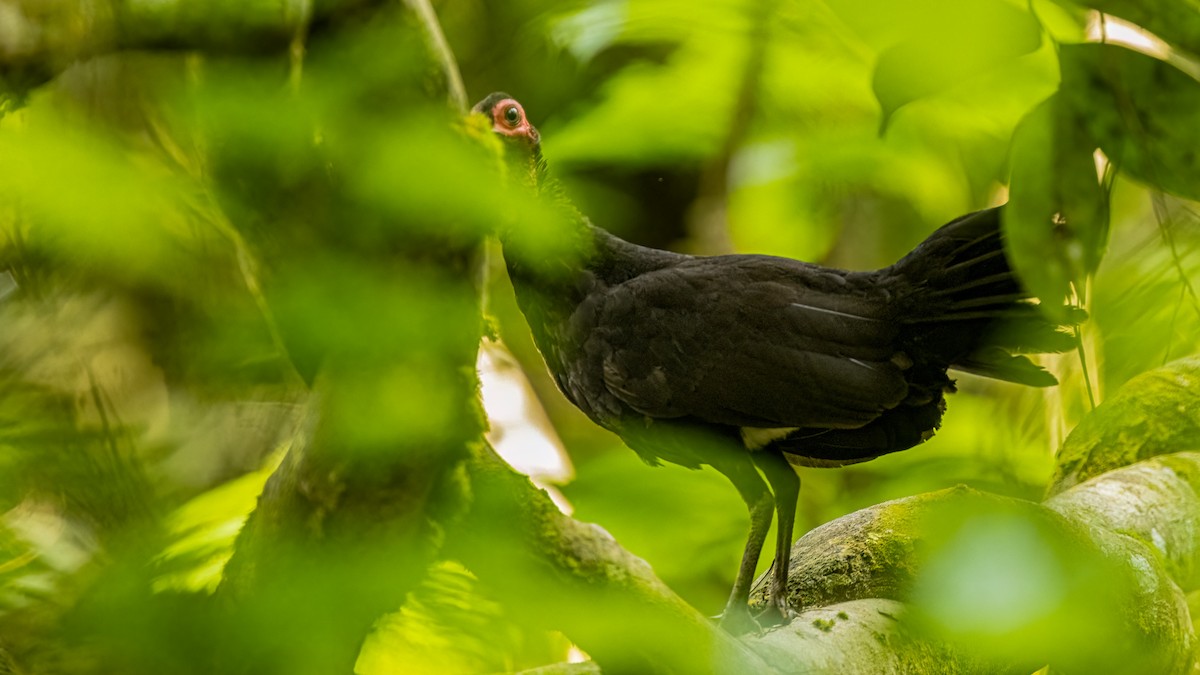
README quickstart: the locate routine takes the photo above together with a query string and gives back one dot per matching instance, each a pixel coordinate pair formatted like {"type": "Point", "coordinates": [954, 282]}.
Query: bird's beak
{"type": "Point", "coordinates": [531, 134]}
{"type": "Point", "coordinates": [524, 131]}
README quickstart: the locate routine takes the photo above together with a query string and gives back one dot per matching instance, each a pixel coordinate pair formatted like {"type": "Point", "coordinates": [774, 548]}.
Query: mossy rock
{"type": "Point", "coordinates": [1155, 413]}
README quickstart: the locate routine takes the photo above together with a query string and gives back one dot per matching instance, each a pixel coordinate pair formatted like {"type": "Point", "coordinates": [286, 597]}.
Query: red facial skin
{"type": "Point", "coordinates": [513, 124]}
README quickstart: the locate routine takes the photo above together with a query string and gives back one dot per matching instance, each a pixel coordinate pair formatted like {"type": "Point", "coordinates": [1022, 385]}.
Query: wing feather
{"type": "Point", "coordinates": [758, 342]}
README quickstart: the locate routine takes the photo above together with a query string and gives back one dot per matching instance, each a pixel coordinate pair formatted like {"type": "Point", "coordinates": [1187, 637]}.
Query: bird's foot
{"type": "Point", "coordinates": [737, 620]}
{"type": "Point", "coordinates": [776, 613]}
{"type": "Point", "coordinates": [741, 620]}
{"type": "Point", "coordinates": [782, 606]}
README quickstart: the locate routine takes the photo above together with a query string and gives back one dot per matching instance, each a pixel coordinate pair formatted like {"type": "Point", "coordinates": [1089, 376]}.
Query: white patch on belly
{"type": "Point", "coordinates": [756, 438]}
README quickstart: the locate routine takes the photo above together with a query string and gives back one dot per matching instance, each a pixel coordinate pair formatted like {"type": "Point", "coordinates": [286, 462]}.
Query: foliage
{"type": "Point", "coordinates": [206, 215]}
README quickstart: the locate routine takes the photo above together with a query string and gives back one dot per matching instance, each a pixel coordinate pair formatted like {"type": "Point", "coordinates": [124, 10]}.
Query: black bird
{"type": "Point", "coordinates": [752, 363]}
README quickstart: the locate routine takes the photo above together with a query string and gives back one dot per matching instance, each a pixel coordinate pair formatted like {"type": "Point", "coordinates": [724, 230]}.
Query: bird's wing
{"type": "Point", "coordinates": [749, 341]}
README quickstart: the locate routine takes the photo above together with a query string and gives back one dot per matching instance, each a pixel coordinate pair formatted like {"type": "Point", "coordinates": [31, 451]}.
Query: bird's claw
{"type": "Point", "coordinates": [775, 614]}
{"type": "Point", "coordinates": [737, 620]}
{"type": "Point", "coordinates": [784, 614]}
{"type": "Point", "coordinates": [741, 621]}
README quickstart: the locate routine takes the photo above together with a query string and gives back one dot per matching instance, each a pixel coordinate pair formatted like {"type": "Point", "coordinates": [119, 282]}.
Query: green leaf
{"type": "Point", "coordinates": [1144, 113]}
{"type": "Point", "coordinates": [1064, 22]}
{"type": "Point", "coordinates": [1056, 222]}
{"type": "Point", "coordinates": [992, 34]}
{"type": "Point", "coordinates": [663, 112]}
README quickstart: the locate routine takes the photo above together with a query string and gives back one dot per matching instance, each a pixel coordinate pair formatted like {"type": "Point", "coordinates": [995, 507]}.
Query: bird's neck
{"type": "Point", "coordinates": [593, 259]}
{"type": "Point", "coordinates": [550, 289]}
{"type": "Point", "coordinates": [550, 292]}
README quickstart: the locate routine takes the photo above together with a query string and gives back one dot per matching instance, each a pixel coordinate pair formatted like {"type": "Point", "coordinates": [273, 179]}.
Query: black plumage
{"type": "Point", "coordinates": [752, 363]}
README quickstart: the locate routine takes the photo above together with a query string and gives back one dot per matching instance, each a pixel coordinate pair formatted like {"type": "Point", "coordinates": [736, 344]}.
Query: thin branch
{"type": "Point", "coordinates": [38, 45]}
{"type": "Point", "coordinates": [1083, 363]}
{"type": "Point", "coordinates": [456, 92]}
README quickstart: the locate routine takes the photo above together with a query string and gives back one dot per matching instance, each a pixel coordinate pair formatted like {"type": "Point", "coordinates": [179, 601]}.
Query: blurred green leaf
{"type": "Point", "coordinates": [1140, 110]}
{"type": "Point", "coordinates": [204, 530]}
{"type": "Point", "coordinates": [92, 203]}
{"type": "Point", "coordinates": [1065, 21]}
{"type": "Point", "coordinates": [1004, 580]}
{"type": "Point", "coordinates": [449, 626]}
{"type": "Point", "coordinates": [698, 554]}
{"type": "Point", "coordinates": [1057, 217]}
{"type": "Point", "coordinates": [590, 30]}
{"type": "Point", "coordinates": [650, 113]}
{"type": "Point", "coordinates": [995, 33]}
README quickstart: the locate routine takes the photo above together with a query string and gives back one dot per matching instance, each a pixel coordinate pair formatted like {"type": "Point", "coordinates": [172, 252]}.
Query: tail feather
{"type": "Point", "coordinates": [996, 363]}
{"type": "Point", "coordinates": [993, 283]}
{"type": "Point", "coordinates": [977, 260]}
{"type": "Point", "coordinates": [997, 300]}
{"type": "Point", "coordinates": [970, 311]}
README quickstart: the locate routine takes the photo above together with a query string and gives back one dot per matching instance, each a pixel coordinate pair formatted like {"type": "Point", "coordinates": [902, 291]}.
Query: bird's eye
{"type": "Point", "coordinates": [512, 115]}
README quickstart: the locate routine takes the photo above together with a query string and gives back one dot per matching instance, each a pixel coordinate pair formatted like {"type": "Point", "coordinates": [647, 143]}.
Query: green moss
{"type": "Point", "coordinates": [824, 625]}
{"type": "Point", "coordinates": [1154, 414]}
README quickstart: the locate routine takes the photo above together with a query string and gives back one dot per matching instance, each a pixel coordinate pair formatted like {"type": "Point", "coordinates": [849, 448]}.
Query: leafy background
{"type": "Point", "coordinates": [191, 227]}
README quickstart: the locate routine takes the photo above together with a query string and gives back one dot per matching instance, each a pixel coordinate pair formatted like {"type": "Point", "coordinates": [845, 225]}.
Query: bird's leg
{"type": "Point", "coordinates": [741, 472]}
{"type": "Point", "coordinates": [786, 486]}
{"type": "Point", "coordinates": [736, 617]}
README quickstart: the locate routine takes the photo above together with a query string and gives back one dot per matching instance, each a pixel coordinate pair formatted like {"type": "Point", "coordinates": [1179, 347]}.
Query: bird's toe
{"type": "Point", "coordinates": [737, 620]}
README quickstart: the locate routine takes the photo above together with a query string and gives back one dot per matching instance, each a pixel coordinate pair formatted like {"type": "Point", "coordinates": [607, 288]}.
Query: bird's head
{"type": "Point", "coordinates": [521, 140]}
{"type": "Point", "coordinates": [523, 157]}
{"type": "Point", "coordinates": [508, 119]}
